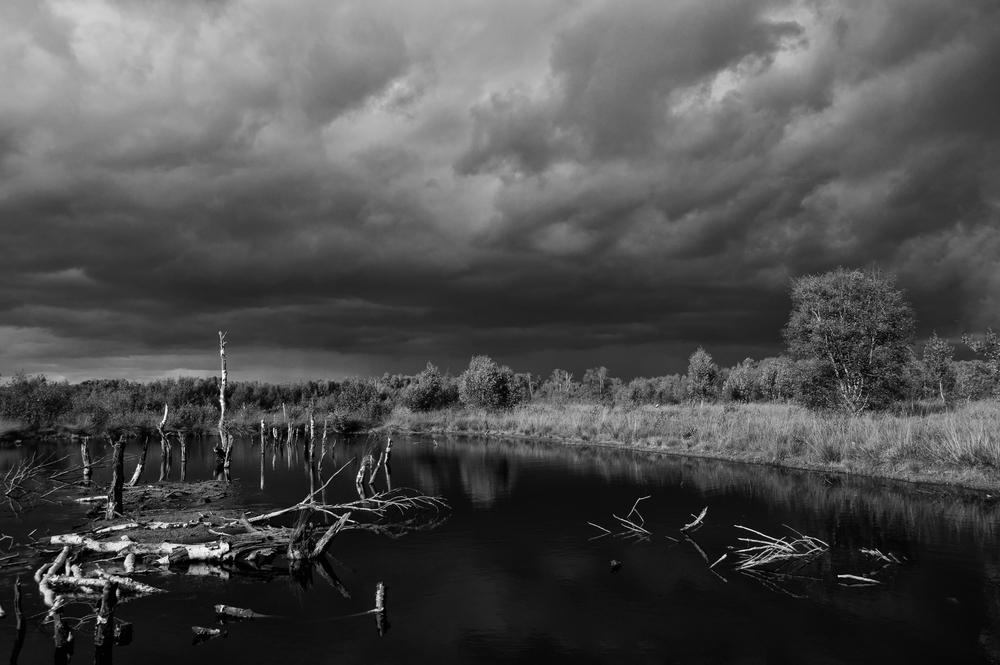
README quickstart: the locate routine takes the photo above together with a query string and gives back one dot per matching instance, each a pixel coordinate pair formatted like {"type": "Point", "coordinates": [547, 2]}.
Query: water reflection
{"type": "Point", "coordinates": [515, 574]}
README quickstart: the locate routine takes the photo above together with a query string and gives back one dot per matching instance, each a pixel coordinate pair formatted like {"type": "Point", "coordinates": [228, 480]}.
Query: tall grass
{"type": "Point", "coordinates": [924, 444]}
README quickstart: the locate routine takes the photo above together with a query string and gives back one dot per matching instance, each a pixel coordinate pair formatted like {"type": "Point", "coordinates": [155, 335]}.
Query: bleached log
{"type": "Point", "coordinates": [102, 581]}
{"type": "Point", "coordinates": [201, 552]}
{"type": "Point", "coordinates": [197, 552]}
{"type": "Point", "coordinates": [91, 544]}
{"type": "Point", "coordinates": [697, 520]}
{"type": "Point", "coordinates": [324, 542]}
{"type": "Point", "coordinates": [204, 634]}
{"type": "Point", "coordinates": [118, 527]}
{"type": "Point", "coordinates": [238, 612]}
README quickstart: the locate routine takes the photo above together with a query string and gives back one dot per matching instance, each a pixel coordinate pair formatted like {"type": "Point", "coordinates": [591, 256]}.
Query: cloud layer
{"type": "Point", "coordinates": [362, 187]}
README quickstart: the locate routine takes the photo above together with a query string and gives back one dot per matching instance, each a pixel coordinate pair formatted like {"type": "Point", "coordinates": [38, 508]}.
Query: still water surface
{"type": "Point", "coordinates": [516, 574]}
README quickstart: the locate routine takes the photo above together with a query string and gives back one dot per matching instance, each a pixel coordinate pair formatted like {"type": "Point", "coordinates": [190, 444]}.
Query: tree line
{"type": "Point", "coordinates": [850, 346]}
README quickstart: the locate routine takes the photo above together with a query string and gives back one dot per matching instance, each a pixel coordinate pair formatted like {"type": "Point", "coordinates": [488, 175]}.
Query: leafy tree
{"type": "Point", "coordinates": [597, 382]}
{"type": "Point", "coordinates": [487, 385]}
{"type": "Point", "coordinates": [989, 349]}
{"type": "Point", "coordinates": [859, 324]}
{"type": "Point", "coordinates": [937, 358]}
{"type": "Point", "coordinates": [702, 374]}
{"type": "Point", "coordinates": [742, 385]}
{"type": "Point", "coordinates": [776, 379]}
{"type": "Point", "coordinates": [427, 392]}
{"type": "Point", "coordinates": [974, 380]}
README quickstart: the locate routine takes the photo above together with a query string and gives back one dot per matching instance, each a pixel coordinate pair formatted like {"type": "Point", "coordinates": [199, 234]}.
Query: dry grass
{"type": "Point", "coordinates": [881, 444]}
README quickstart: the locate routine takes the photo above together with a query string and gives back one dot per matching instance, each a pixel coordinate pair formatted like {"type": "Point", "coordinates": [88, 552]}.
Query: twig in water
{"type": "Point", "coordinates": [768, 549]}
{"type": "Point", "coordinates": [698, 521]}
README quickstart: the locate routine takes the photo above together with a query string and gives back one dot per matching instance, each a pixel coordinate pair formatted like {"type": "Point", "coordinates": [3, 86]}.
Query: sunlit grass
{"type": "Point", "coordinates": [896, 445]}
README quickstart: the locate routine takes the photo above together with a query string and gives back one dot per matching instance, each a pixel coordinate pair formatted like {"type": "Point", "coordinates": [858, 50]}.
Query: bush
{"type": "Point", "coordinates": [428, 391]}
{"type": "Point", "coordinates": [487, 385]}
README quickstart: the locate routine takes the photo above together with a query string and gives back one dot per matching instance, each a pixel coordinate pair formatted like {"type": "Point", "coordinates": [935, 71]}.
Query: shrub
{"type": "Point", "coordinates": [487, 385]}
{"type": "Point", "coordinates": [428, 391]}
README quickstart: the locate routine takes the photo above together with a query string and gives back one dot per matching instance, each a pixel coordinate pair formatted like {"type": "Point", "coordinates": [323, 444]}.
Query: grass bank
{"type": "Point", "coordinates": [960, 446]}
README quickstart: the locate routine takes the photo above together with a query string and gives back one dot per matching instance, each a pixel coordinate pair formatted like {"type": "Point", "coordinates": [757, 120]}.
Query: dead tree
{"type": "Point", "coordinates": [137, 474]}
{"type": "Point", "coordinates": [115, 505]}
{"type": "Point", "coordinates": [104, 631]}
{"type": "Point", "coordinates": [184, 459]}
{"type": "Point", "coordinates": [224, 449]}
{"type": "Point", "coordinates": [21, 623]}
{"type": "Point", "coordinates": [85, 459]}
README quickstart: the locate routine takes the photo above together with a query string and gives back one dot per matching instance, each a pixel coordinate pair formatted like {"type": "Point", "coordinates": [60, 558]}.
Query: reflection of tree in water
{"type": "Point", "coordinates": [482, 471]}
{"type": "Point", "coordinates": [486, 478]}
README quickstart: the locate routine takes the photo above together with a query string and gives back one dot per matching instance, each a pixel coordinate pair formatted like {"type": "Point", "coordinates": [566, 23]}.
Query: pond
{"type": "Point", "coordinates": [517, 571]}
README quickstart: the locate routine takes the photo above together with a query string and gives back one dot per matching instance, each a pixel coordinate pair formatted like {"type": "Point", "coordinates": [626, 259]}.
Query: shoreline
{"type": "Point", "coordinates": [916, 450]}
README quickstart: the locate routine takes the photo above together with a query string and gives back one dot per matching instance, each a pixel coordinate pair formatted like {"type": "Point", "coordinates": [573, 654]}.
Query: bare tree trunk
{"type": "Point", "coordinates": [63, 638]}
{"type": "Point", "coordinates": [262, 441]}
{"type": "Point", "coordinates": [21, 624]}
{"type": "Point", "coordinates": [137, 475]}
{"type": "Point", "coordinates": [184, 455]}
{"type": "Point", "coordinates": [221, 449]}
{"type": "Point", "coordinates": [312, 435]}
{"type": "Point", "coordinates": [85, 459]}
{"type": "Point", "coordinates": [104, 630]}
{"type": "Point", "coordinates": [117, 480]}
{"type": "Point", "coordinates": [166, 458]}
{"type": "Point", "coordinates": [322, 448]}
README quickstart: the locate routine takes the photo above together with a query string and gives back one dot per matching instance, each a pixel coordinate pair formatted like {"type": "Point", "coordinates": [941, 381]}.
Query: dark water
{"type": "Point", "coordinates": [516, 574]}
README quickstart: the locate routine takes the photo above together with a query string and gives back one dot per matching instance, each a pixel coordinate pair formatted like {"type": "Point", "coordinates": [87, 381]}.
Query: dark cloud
{"type": "Point", "coordinates": [362, 187]}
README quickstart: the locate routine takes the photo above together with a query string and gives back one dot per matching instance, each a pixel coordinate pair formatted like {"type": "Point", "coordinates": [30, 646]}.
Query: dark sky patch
{"type": "Point", "coordinates": [362, 187]}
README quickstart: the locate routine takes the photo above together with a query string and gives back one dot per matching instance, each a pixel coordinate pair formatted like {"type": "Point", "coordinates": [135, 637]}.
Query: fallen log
{"type": "Point", "coordinates": [697, 521]}
{"type": "Point", "coordinates": [324, 542]}
{"type": "Point", "coordinates": [205, 634]}
{"type": "Point", "coordinates": [239, 613]}
{"type": "Point", "coordinates": [102, 582]}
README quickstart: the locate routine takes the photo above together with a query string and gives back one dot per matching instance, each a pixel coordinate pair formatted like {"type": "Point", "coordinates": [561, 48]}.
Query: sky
{"type": "Point", "coordinates": [352, 188]}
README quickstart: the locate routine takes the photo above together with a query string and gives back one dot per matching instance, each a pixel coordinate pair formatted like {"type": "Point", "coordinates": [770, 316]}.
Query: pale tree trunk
{"type": "Point", "coordinates": [223, 448]}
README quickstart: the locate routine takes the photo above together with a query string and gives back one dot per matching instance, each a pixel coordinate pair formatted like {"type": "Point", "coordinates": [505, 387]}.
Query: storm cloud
{"type": "Point", "coordinates": [353, 188]}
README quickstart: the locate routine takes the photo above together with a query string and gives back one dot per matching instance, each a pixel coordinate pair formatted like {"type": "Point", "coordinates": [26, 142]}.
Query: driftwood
{"type": "Point", "coordinates": [766, 549]}
{"type": "Point", "coordinates": [698, 521]}
{"type": "Point", "coordinates": [239, 613]}
{"type": "Point", "coordinates": [205, 634]}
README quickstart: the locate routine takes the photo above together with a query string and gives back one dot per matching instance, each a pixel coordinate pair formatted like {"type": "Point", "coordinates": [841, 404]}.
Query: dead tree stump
{"type": "Point", "coordinates": [115, 505]}
{"type": "Point", "coordinates": [104, 630]}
